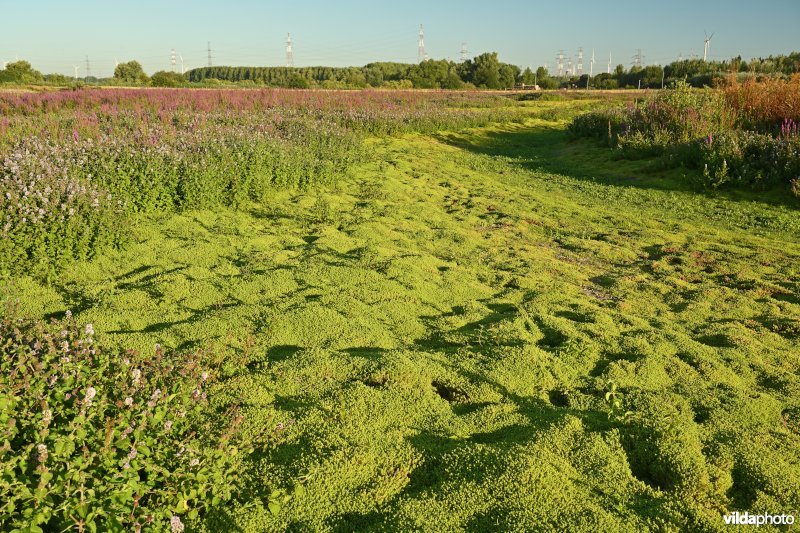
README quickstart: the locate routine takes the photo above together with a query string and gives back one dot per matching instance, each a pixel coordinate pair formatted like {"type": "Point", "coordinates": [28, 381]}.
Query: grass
{"type": "Point", "coordinates": [431, 339]}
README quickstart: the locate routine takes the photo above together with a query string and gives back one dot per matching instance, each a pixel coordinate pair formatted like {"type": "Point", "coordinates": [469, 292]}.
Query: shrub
{"type": "Point", "coordinates": [105, 439]}
{"type": "Point", "coordinates": [749, 159]}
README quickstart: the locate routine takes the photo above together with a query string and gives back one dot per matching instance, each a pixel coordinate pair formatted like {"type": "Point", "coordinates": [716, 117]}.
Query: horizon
{"type": "Point", "coordinates": [355, 33]}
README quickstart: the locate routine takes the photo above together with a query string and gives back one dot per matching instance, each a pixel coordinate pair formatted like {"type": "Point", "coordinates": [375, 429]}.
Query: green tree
{"type": "Point", "coordinates": [487, 71]}
{"type": "Point", "coordinates": [130, 72]}
{"type": "Point", "coordinates": [20, 72]}
{"type": "Point", "coordinates": [528, 77]}
{"type": "Point", "coordinates": [544, 80]}
{"type": "Point", "coordinates": [163, 78]}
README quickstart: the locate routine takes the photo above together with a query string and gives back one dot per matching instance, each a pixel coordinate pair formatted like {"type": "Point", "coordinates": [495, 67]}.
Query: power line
{"type": "Point", "coordinates": [209, 53]}
{"type": "Point", "coordinates": [464, 52]}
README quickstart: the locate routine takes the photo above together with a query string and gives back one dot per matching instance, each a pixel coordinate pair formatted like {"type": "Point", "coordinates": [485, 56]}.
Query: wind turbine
{"type": "Point", "coordinates": [706, 44]}
{"type": "Point", "coordinates": [76, 67]}
{"type": "Point", "coordinates": [183, 70]}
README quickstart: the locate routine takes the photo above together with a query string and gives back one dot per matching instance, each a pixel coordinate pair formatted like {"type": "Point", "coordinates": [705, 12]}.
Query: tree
{"type": "Point", "coordinates": [528, 77]}
{"type": "Point", "coordinates": [430, 74]}
{"type": "Point", "coordinates": [20, 72]}
{"type": "Point", "coordinates": [508, 75]}
{"type": "Point", "coordinates": [297, 81]}
{"type": "Point", "coordinates": [487, 71]}
{"type": "Point", "coordinates": [130, 72]}
{"type": "Point", "coordinates": [163, 78]}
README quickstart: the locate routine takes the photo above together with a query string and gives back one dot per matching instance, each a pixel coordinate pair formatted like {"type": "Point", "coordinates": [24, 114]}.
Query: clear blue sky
{"type": "Point", "coordinates": [55, 35]}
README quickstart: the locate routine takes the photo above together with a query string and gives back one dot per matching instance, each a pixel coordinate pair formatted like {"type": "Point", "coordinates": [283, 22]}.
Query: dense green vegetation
{"type": "Point", "coordinates": [743, 135]}
{"type": "Point", "coordinates": [485, 71]}
{"type": "Point", "coordinates": [480, 323]}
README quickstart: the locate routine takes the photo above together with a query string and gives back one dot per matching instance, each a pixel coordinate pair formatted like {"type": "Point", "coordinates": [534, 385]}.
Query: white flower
{"type": "Point", "coordinates": [89, 330]}
{"type": "Point", "coordinates": [168, 425]}
{"type": "Point", "coordinates": [47, 416]}
{"type": "Point", "coordinates": [91, 392]}
{"type": "Point", "coordinates": [176, 524]}
{"type": "Point", "coordinates": [128, 401]}
{"type": "Point", "coordinates": [41, 449]}
{"type": "Point", "coordinates": [136, 374]}
{"type": "Point", "coordinates": [194, 462]}
{"type": "Point", "coordinates": [132, 454]}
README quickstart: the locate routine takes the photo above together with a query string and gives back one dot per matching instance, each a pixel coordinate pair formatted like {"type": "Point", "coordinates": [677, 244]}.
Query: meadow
{"type": "Point", "coordinates": [278, 310]}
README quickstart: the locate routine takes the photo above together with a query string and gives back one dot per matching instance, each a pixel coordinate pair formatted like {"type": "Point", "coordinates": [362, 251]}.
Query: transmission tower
{"type": "Point", "coordinates": [560, 63]}
{"type": "Point", "coordinates": [638, 59]}
{"type": "Point", "coordinates": [580, 61]}
{"type": "Point", "coordinates": [209, 53]}
{"type": "Point", "coordinates": [289, 51]}
{"type": "Point", "coordinates": [421, 54]}
{"type": "Point", "coordinates": [173, 60]}
{"type": "Point", "coordinates": [464, 52]}
{"type": "Point", "coordinates": [88, 70]}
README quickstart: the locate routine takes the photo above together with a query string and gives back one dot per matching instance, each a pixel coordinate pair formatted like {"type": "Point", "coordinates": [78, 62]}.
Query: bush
{"type": "Point", "coordinates": [105, 439]}
{"type": "Point", "coordinates": [699, 130]}
{"type": "Point", "coordinates": [749, 159]}
{"type": "Point", "coordinates": [163, 78]}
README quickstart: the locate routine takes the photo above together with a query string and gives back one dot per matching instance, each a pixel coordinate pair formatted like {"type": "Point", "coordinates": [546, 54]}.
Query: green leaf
{"type": "Point", "coordinates": [274, 508]}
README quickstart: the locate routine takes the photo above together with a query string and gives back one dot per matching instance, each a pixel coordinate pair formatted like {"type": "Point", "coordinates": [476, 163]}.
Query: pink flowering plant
{"type": "Point", "coordinates": [93, 439]}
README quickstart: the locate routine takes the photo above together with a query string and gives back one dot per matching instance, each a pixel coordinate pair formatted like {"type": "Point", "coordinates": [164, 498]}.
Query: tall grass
{"type": "Point", "coordinates": [763, 105]}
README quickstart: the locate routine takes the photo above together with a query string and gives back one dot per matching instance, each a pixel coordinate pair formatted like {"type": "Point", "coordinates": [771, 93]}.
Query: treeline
{"type": "Point", "coordinates": [695, 72]}
{"type": "Point", "coordinates": [484, 71]}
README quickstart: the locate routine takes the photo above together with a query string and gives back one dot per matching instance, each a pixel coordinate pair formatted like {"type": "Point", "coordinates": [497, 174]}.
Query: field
{"type": "Point", "coordinates": [480, 324]}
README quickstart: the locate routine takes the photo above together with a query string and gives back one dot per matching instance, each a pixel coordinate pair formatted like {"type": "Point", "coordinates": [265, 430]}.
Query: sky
{"type": "Point", "coordinates": [54, 36]}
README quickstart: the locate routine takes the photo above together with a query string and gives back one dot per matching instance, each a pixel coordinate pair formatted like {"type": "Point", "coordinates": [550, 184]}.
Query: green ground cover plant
{"type": "Point", "coordinates": [497, 327]}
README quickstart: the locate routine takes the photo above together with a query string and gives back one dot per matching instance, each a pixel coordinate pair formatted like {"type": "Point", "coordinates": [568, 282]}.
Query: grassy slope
{"type": "Point", "coordinates": [441, 327]}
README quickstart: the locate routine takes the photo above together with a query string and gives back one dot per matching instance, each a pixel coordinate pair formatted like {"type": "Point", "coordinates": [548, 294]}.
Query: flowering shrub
{"type": "Point", "coordinates": [98, 439]}
{"type": "Point", "coordinates": [75, 165]}
{"type": "Point", "coordinates": [699, 130]}
{"type": "Point", "coordinates": [745, 158]}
